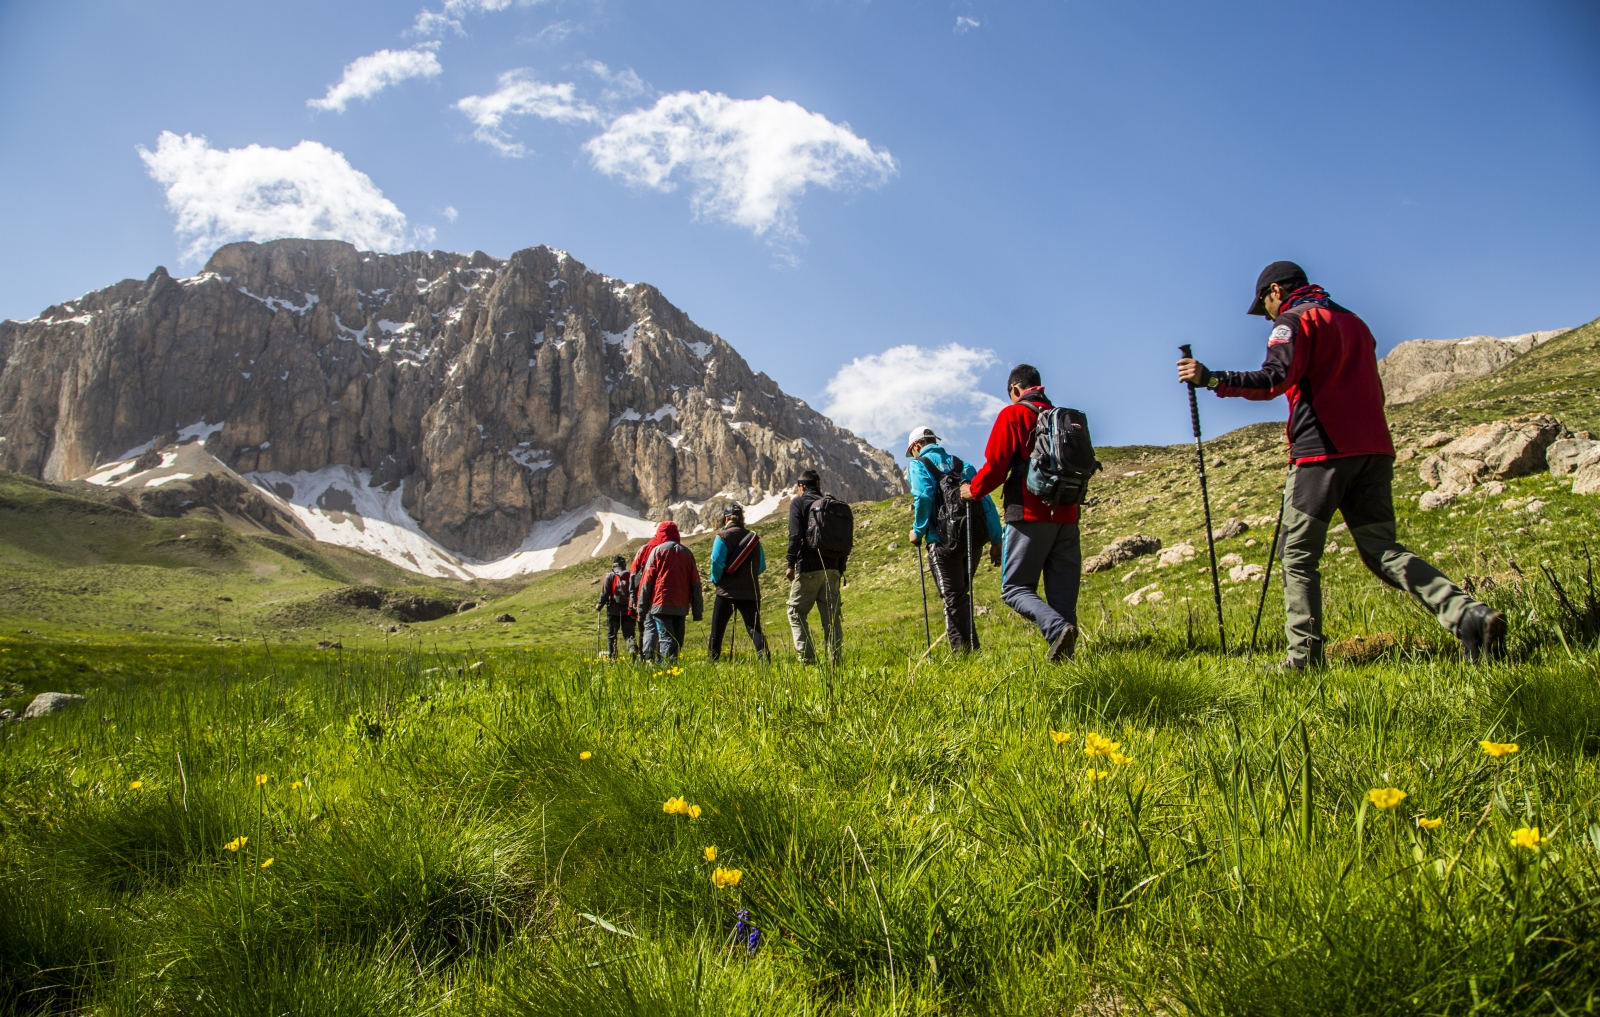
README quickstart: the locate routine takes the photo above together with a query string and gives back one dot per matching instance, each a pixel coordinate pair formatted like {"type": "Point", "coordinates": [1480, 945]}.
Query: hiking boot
{"type": "Point", "coordinates": [1483, 633]}
{"type": "Point", "coordinates": [1061, 649]}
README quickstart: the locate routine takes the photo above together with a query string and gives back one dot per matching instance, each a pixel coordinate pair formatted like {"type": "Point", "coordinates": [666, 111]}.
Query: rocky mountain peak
{"type": "Point", "coordinates": [495, 397]}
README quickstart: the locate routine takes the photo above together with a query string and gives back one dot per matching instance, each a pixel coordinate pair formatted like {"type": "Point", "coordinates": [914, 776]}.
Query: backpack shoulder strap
{"type": "Point", "coordinates": [937, 473]}
{"type": "Point", "coordinates": [750, 541]}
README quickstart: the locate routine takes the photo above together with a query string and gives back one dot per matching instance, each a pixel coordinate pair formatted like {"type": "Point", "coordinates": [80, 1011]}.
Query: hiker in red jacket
{"type": "Point", "coordinates": [1325, 360]}
{"type": "Point", "coordinates": [670, 589]}
{"type": "Point", "coordinates": [1041, 540]}
{"type": "Point", "coordinates": [641, 607]}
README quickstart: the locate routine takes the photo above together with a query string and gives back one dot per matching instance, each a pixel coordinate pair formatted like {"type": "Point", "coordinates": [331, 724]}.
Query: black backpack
{"type": "Point", "coordinates": [620, 585]}
{"type": "Point", "coordinates": [950, 513]}
{"type": "Point", "coordinates": [1062, 459]}
{"type": "Point", "coordinates": [830, 527]}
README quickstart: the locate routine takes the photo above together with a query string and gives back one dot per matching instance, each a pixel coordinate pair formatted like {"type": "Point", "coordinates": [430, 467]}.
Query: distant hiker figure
{"type": "Point", "coordinates": [737, 560]}
{"type": "Point", "coordinates": [669, 589]}
{"type": "Point", "coordinates": [939, 516]}
{"type": "Point", "coordinates": [1325, 360]}
{"type": "Point", "coordinates": [616, 600]}
{"type": "Point", "coordinates": [1041, 539]}
{"type": "Point", "coordinates": [821, 534]}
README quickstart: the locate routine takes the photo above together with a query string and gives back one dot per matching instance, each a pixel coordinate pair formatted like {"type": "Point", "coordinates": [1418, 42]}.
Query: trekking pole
{"type": "Point", "coordinates": [1205, 500]}
{"type": "Point", "coordinates": [972, 587]}
{"type": "Point", "coordinates": [1272, 552]}
{"type": "Point", "coordinates": [927, 630]}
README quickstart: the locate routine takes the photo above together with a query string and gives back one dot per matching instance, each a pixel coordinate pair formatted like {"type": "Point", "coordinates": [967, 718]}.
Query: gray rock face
{"type": "Point", "coordinates": [1422, 367]}
{"type": "Point", "coordinates": [1498, 450]}
{"type": "Point", "coordinates": [1564, 455]}
{"type": "Point", "coordinates": [498, 392]}
{"type": "Point", "coordinates": [46, 703]}
{"type": "Point", "coordinates": [1586, 473]}
{"type": "Point", "coordinates": [1120, 550]}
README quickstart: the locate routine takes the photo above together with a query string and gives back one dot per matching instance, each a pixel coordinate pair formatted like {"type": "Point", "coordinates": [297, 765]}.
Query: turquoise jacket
{"type": "Point", "coordinates": [720, 559]}
{"type": "Point", "coordinates": [924, 494]}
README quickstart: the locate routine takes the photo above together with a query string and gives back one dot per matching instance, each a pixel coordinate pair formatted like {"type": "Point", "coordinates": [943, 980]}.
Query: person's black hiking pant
{"type": "Point", "coordinates": [722, 609]}
{"type": "Point", "coordinates": [619, 623]}
{"type": "Point", "coordinates": [1358, 488]}
{"type": "Point", "coordinates": [952, 577]}
{"type": "Point", "coordinates": [669, 634]}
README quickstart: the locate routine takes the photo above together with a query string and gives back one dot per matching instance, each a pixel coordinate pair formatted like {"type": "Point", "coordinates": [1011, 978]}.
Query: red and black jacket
{"type": "Point", "coordinates": [1323, 357]}
{"type": "Point", "coordinates": [1006, 463]}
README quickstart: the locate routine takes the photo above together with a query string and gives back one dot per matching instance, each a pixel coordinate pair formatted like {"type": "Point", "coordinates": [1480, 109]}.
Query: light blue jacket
{"type": "Point", "coordinates": [720, 559]}
{"type": "Point", "coordinates": [924, 494]}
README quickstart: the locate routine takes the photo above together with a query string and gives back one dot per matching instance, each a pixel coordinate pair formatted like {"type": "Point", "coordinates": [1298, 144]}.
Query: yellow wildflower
{"type": "Point", "coordinates": [236, 843]}
{"type": "Point", "coordinates": [1429, 824]}
{"type": "Point", "coordinates": [267, 864]}
{"type": "Point", "coordinates": [1120, 759]}
{"type": "Point", "coordinates": [725, 877]}
{"type": "Point", "coordinates": [1095, 745]}
{"type": "Point", "coordinates": [1527, 837]}
{"type": "Point", "coordinates": [693, 812]}
{"type": "Point", "coordinates": [297, 785]}
{"type": "Point", "coordinates": [710, 854]}
{"type": "Point", "coordinates": [134, 785]}
{"type": "Point", "coordinates": [1095, 775]}
{"type": "Point", "coordinates": [1498, 749]}
{"type": "Point", "coordinates": [261, 779]}
{"type": "Point", "coordinates": [586, 754]}
{"type": "Point", "coordinates": [675, 807]}
{"type": "Point", "coordinates": [1059, 736]}
{"type": "Point", "coordinates": [1386, 798]}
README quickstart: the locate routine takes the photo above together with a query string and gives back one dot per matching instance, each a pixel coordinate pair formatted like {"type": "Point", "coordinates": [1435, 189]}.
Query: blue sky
{"type": "Point", "coordinates": [1079, 185]}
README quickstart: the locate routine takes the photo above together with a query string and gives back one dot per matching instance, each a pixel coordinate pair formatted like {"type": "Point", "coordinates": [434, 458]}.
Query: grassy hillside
{"type": "Point", "coordinates": [464, 817]}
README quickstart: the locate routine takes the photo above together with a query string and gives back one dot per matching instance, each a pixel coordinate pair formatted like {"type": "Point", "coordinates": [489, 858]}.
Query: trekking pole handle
{"type": "Point", "coordinates": [1194, 407]}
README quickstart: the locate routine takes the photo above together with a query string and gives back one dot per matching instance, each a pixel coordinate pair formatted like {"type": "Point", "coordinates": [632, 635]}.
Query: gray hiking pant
{"type": "Point", "coordinates": [820, 588]}
{"type": "Point", "coordinates": [1049, 551]}
{"type": "Point", "coordinates": [1359, 488]}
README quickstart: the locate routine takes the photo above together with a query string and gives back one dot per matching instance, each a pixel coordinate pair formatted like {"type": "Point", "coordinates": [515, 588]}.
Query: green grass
{"type": "Point", "coordinates": [910, 837]}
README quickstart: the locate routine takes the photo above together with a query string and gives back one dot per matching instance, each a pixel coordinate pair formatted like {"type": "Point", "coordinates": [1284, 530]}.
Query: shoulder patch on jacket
{"type": "Point", "coordinates": [1280, 335]}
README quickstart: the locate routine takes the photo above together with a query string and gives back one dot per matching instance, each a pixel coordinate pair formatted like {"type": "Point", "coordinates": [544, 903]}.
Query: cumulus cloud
{"type": "Point", "coordinates": [619, 85]}
{"type": "Point", "coordinates": [448, 17]}
{"type": "Point", "coordinates": [882, 396]}
{"type": "Point", "coordinates": [257, 193]}
{"type": "Point", "coordinates": [746, 160]}
{"type": "Point", "coordinates": [965, 24]}
{"type": "Point", "coordinates": [371, 74]}
{"type": "Point", "coordinates": [521, 95]}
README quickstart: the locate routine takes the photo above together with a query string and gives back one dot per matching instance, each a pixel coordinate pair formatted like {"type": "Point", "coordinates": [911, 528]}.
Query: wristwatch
{"type": "Point", "coordinates": [1212, 381]}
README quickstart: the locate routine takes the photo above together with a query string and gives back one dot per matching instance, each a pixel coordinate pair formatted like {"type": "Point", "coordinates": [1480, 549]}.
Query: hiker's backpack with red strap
{"type": "Point", "coordinates": [1062, 458]}
{"type": "Point", "coordinates": [957, 523]}
{"type": "Point", "coordinates": [618, 586]}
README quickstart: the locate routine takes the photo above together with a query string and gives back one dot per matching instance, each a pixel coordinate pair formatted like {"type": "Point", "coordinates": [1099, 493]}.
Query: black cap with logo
{"type": "Point", "coordinates": [1278, 272]}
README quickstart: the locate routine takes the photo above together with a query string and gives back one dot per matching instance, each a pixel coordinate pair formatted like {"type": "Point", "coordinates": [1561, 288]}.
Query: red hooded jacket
{"type": "Point", "coordinates": [1006, 463]}
{"type": "Point", "coordinates": [670, 583]}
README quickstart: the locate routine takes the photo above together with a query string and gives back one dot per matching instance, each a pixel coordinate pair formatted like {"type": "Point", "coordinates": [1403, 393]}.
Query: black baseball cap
{"type": "Point", "coordinates": [1277, 272]}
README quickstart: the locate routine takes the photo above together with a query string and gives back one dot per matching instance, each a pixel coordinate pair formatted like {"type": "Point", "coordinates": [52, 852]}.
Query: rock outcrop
{"type": "Point", "coordinates": [1422, 367]}
{"type": "Point", "coordinates": [490, 395]}
{"type": "Point", "coordinates": [1120, 550]}
{"type": "Point", "coordinates": [1498, 450]}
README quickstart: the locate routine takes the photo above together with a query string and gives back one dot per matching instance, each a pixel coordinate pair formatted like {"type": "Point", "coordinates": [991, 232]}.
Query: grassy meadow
{"type": "Point", "coordinates": [467, 816]}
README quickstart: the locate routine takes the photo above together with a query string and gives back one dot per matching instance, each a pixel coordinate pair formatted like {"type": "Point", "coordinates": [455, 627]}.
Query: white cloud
{"type": "Point", "coordinates": [520, 95]}
{"type": "Point", "coordinates": [448, 18]}
{"type": "Point", "coordinates": [258, 193]}
{"type": "Point", "coordinates": [450, 212]}
{"type": "Point", "coordinates": [625, 84]}
{"type": "Point", "coordinates": [371, 74]}
{"type": "Point", "coordinates": [884, 395]}
{"type": "Point", "coordinates": [965, 24]}
{"type": "Point", "coordinates": [748, 160]}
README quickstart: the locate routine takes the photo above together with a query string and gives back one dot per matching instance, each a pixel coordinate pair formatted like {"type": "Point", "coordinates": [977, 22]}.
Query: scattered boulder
{"type": "Point", "coordinates": [1234, 527]}
{"type": "Point", "coordinates": [1436, 439]}
{"type": "Point", "coordinates": [504, 618]}
{"type": "Point", "coordinates": [1431, 500]}
{"type": "Point", "coordinates": [325, 644]}
{"type": "Point", "coordinates": [1230, 560]}
{"type": "Point", "coordinates": [1492, 488]}
{"type": "Point", "coordinates": [1120, 550]}
{"type": "Point", "coordinates": [1586, 476]}
{"type": "Point", "coordinates": [1405, 455]}
{"type": "Point", "coordinates": [1564, 455]}
{"type": "Point", "coordinates": [51, 702]}
{"type": "Point", "coordinates": [1177, 554]}
{"type": "Point", "coordinates": [1246, 573]}
{"type": "Point", "coordinates": [1498, 450]}
{"type": "Point", "coordinates": [465, 605]}
{"type": "Point", "coordinates": [416, 609]}
{"type": "Point", "coordinates": [1152, 593]}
